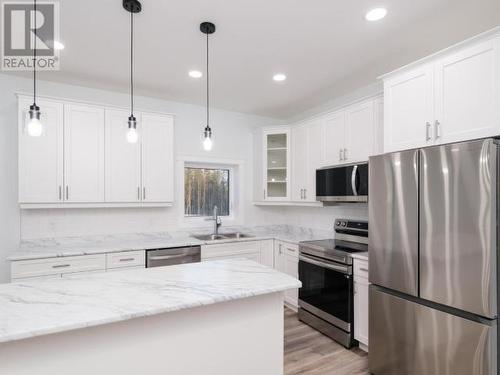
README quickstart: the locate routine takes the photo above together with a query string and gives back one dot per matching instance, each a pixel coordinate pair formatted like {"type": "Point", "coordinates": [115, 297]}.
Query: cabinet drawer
{"type": "Point", "coordinates": [53, 266]}
{"type": "Point", "coordinates": [290, 249]}
{"type": "Point", "coordinates": [361, 268]}
{"type": "Point", "coordinates": [227, 249]}
{"type": "Point", "coordinates": [126, 259]}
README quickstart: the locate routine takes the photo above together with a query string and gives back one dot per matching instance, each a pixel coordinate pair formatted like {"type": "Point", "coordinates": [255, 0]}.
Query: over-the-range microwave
{"type": "Point", "coordinates": [346, 183]}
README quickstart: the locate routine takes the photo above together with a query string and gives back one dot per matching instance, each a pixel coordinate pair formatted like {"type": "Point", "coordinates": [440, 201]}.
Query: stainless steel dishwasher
{"type": "Point", "coordinates": [172, 256]}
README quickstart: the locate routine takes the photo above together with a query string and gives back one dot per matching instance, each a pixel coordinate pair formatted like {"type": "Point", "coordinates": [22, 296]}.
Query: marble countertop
{"type": "Point", "coordinates": [30, 309]}
{"type": "Point", "coordinates": [71, 246]}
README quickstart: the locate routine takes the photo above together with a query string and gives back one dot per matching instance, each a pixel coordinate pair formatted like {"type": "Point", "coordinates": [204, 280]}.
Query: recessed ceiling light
{"type": "Point", "coordinates": [279, 77]}
{"type": "Point", "coordinates": [195, 74]}
{"type": "Point", "coordinates": [376, 14]}
{"type": "Point", "coordinates": [58, 45]}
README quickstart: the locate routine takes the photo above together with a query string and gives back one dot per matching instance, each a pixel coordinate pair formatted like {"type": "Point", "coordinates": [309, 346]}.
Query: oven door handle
{"type": "Point", "coordinates": [334, 267]}
{"type": "Point", "coordinates": [353, 180]}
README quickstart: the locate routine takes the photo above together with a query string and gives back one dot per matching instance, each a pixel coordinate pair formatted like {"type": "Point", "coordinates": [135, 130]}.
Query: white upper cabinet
{"type": "Point", "coordinates": [41, 158]}
{"type": "Point", "coordinates": [359, 133]}
{"type": "Point", "coordinates": [123, 159]}
{"type": "Point", "coordinates": [452, 98]}
{"type": "Point", "coordinates": [83, 153]}
{"type": "Point", "coordinates": [83, 158]}
{"type": "Point", "coordinates": [300, 162]}
{"type": "Point", "coordinates": [468, 94]}
{"type": "Point", "coordinates": [351, 135]}
{"type": "Point", "coordinates": [315, 154]}
{"type": "Point", "coordinates": [408, 101]}
{"type": "Point", "coordinates": [157, 158]}
{"type": "Point", "coordinates": [276, 160]}
{"type": "Point", "coordinates": [334, 141]}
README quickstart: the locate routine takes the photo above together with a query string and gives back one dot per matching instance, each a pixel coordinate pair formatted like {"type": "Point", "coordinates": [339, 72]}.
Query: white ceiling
{"type": "Point", "coordinates": [324, 46]}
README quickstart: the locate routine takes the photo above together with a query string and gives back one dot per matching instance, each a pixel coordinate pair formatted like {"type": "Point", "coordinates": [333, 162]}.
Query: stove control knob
{"type": "Point", "coordinates": [337, 223]}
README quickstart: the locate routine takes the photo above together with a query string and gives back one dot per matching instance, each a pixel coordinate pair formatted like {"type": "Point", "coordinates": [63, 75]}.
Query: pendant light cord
{"type": "Point", "coordinates": [132, 63]}
{"type": "Point", "coordinates": [208, 91]}
{"type": "Point", "coordinates": [34, 57]}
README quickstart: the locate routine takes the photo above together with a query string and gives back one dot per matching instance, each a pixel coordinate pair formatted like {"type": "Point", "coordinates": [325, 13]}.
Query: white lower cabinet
{"type": "Point", "coordinates": [361, 285]}
{"type": "Point", "coordinates": [286, 260]}
{"type": "Point", "coordinates": [249, 250]}
{"type": "Point", "coordinates": [49, 268]}
{"type": "Point", "coordinates": [57, 266]}
{"type": "Point", "coordinates": [126, 259]}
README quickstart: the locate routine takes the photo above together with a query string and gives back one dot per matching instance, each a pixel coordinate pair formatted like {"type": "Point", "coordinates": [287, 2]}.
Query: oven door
{"type": "Point", "coordinates": [327, 290]}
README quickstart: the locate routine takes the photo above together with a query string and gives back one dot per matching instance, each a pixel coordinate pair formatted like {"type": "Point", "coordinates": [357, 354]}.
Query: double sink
{"type": "Point", "coordinates": [225, 236]}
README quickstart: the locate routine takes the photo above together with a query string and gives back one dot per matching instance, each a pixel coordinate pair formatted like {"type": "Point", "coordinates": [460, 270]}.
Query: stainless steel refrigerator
{"type": "Point", "coordinates": [433, 247]}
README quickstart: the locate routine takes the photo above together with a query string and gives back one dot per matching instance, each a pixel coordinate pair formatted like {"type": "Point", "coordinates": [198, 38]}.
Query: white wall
{"type": "Point", "coordinates": [232, 141]}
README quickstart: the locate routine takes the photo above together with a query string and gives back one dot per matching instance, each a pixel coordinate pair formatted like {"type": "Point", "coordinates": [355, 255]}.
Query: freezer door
{"type": "Point", "coordinates": [393, 218]}
{"type": "Point", "coordinates": [458, 235]}
{"type": "Point", "coordinates": [412, 339]}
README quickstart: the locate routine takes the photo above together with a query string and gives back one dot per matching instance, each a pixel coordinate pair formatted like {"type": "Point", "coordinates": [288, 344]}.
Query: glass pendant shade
{"type": "Point", "coordinates": [35, 127]}
{"type": "Point", "coordinates": [207, 142]}
{"type": "Point", "coordinates": [132, 136]}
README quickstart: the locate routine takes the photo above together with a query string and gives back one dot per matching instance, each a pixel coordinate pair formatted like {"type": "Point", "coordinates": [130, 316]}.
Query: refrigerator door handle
{"type": "Point", "coordinates": [353, 180]}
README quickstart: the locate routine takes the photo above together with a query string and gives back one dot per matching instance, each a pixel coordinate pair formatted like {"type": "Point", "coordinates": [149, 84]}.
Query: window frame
{"type": "Point", "coordinates": [236, 190]}
{"type": "Point", "coordinates": [230, 171]}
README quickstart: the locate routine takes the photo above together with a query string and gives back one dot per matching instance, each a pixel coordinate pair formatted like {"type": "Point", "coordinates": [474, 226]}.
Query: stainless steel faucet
{"type": "Point", "coordinates": [217, 221]}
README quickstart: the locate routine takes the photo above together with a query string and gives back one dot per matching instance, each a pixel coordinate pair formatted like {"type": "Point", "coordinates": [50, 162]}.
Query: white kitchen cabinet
{"type": "Point", "coordinates": [276, 160]}
{"type": "Point", "coordinates": [57, 266]}
{"type": "Point", "coordinates": [409, 106]}
{"type": "Point", "coordinates": [126, 259]}
{"type": "Point", "coordinates": [467, 87]}
{"type": "Point", "coordinates": [246, 249]}
{"type": "Point", "coordinates": [41, 158]}
{"type": "Point", "coordinates": [359, 132]}
{"type": "Point", "coordinates": [350, 134]}
{"type": "Point", "coordinates": [300, 162]}
{"type": "Point", "coordinates": [306, 158]}
{"type": "Point", "coordinates": [267, 253]}
{"type": "Point", "coordinates": [123, 159]}
{"type": "Point", "coordinates": [450, 97]}
{"type": "Point", "coordinates": [157, 157]}
{"type": "Point", "coordinates": [83, 158]}
{"type": "Point", "coordinates": [287, 261]}
{"type": "Point", "coordinates": [83, 153]}
{"type": "Point", "coordinates": [334, 139]}
{"type": "Point", "coordinates": [361, 288]}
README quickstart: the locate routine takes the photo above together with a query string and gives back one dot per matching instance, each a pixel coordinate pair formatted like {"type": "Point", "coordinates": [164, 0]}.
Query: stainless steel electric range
{"type": "Point", "coordinates": [325, 269]}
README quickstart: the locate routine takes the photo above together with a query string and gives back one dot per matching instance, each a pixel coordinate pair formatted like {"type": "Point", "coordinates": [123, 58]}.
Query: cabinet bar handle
{"type": "Point", "coordinates": [126, 259]}
{"type": "Point", "coordinates": [138, 193]}
{"type": "Point", "coordinates": [427, 128]}
{"type": "Point", "coordinates": [305, 193]}
{"type": "Point", "coordinates": [60, 192]}
{"type": "Point", "coordinates": [345, 153]}
{"type": "Point", "coordinates": [363, 269]}
{"type": "Point", "coordinates": [340, 155]}
{"type": "Point", "coordinates": [438, 129]}
{"type": "Point", "coordinates": [67, 192]}
{"type": "Point", "coordinates": [61, 266]}
{"type": "Point", "coordinates": [264, 193]}
{"type": "Point", "coordinates": [144, 193]}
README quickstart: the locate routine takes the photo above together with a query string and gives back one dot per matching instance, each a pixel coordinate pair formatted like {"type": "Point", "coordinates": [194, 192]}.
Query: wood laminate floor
{"type": "Point", "coordinates": [308, 352]}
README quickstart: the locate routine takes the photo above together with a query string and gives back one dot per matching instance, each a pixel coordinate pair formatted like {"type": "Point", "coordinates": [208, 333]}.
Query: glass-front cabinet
{"type": "Point", "coordinates": [277, 164]}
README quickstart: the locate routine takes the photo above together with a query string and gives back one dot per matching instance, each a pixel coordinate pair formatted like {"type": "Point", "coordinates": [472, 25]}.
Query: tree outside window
{"type": "Point", "coordinates": [205, 188]}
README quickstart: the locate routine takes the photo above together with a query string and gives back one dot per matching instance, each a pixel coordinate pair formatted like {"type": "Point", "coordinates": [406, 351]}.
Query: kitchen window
{"type": "Point", "coordinates": [205, 188]}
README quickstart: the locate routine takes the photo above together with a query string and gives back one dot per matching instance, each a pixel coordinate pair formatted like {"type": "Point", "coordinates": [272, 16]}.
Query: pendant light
{"type": "Point", "coordinates": [132, 6]}
{"type": "Point", "coordinates": [35, 127]}
{"type": "Point", "coordinates": [207, 28]}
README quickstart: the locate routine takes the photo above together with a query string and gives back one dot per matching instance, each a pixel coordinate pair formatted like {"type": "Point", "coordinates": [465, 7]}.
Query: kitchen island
{"type": "Point", "coordinates": [220, 317]}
